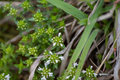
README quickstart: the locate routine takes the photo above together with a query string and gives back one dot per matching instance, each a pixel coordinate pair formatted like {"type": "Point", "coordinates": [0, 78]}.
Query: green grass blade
{"type": "Point", "coordinates": [84, 37]}
{"type": "Point", "coordinates": [84, 53]}
{"type": "Point", "coordinates": [69, 9]}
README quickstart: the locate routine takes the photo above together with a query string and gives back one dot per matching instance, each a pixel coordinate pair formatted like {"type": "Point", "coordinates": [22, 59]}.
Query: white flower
{"type": "Point", "coordinates": [80, 78]}
{"type": "Point", "coordinates": [61, 44]}
{"type": "Point", "coordinates": [43, 78]}
{"type": "Point", "coordinates": [54, 44]}
{"type": "Point", "coordinates": [75, 64]}
{"type": "Point", "coordinates": [91, 67]}
{"type": "Point", "coordinates": [61, 57]}
{"type": "Point", "coordinates": [83, 71]}
{"type": "Point", "coordinates": [56, 61]}
{"type": "Point", "coordinates": [50, 52]}
{"type": "Point", "coordinates": [47, 63]}
{"type": "Point", "coordinates": [95, 74]}
{"type": "Point", "coordinates": [50, 74]}
{"type": "Point", "coordinates": [59, 34]}
{"type": "Point", "coordinates": [67, 77]}
{"type": "Point", "coordinates": [7, 77]}
{"type": "Point", "coordinates": [40, 69]}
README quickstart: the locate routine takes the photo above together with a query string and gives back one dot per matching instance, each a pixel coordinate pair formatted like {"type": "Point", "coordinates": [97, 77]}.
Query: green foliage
{"type": "Point", "coordinates": [32, 45]}
{"type": "Point", "coordinates": [47, 32]}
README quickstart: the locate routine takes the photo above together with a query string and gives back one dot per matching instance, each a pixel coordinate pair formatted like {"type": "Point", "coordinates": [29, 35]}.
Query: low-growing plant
{"type": "Point", "coordinates": [48, 31]}
{"type": "Point", "coordinates": [45, 40]}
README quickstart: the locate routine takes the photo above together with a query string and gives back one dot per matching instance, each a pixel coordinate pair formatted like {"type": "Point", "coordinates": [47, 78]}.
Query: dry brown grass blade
{"type": "Point", "coordinates": [108, 15]}
{"type": "Point", "coordinates": [97, 71]}
{"type": "Point", "coordinates": [67, 35]}
{"type": "Point", "coordinates": [63, 65]}
{"type": "Point", "coordinates": [18, 37]}
{"type": "Point", "coordinates": [117, 66]}
{"type": "Point", "coordinates": [33, 67]}
{"type": "Point", "coordinates": [110, 41]}
{"type": "Point", "coordinates": [93, 11]}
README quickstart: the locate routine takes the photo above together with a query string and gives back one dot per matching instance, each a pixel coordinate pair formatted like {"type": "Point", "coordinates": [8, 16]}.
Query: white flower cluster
{"type": "Point", "coordinates": [45, 73]}
{"type": "Point", "coordinates": [57, 41]}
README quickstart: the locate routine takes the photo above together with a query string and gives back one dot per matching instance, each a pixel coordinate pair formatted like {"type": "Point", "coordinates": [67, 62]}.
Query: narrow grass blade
{"type": "Point", "coordinates": [84, 53]}
{"type": "Point", "coordinates": [84, 37]}
{"type": "Point", "coordinates": [69, 9]}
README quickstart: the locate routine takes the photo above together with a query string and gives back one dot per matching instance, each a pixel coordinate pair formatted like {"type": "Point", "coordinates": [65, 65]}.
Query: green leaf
{"type": "Point", "coordinates": [69, 9]}
{"type": "Point", "coordinates": [83, 22]}
{"type": "Point", "coordinates": [106, 9]}
{"type": "Point", "coordinates": [31, 19]}
{"type": "Point", "coordinates": [107, 26]}
{"type": "Point", "coordinates": [90, 5]}
{"type": "Point", "coordinates": [84, 53]}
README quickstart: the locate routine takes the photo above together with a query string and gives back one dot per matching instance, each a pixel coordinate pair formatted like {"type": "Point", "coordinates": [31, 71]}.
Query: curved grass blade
{"type": "Point", "coordinates": [84, 37]}
{"type": "Point", "coordinates": [69, 9]}
{"type": "Point", "coordinates": [84, 53]}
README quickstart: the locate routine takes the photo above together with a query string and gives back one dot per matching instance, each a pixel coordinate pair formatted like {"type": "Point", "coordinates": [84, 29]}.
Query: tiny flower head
{"type": "Point", "coordinates": [46, 72]}
{"type": "Point", "coordinates": [7, 6]}
{"type": "Point", "coordinates": [38, 17]}
{"type": "Point", "coordinates": [13, 11]}
{"type": "Point", "coordinates": [50, 31]}
{"type": "Point", "coordinates": [34, 36]}
{"type": "Point", "coordinates": [54, 58]}
{"type": "Point", "coordinates": [57, 41]}
{"type": "Point", "coordinates": [26, 5]}
{"type": "Point", "coordinates": [22, 25]}
{"type": "Point", "coordinates": [33, 51]}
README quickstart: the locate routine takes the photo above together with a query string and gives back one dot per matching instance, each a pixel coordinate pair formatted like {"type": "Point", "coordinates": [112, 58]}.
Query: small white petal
{"type": "Point", "coordinates": [61, 44]}
{"type": "Point", "coordinates": [47, 63]}
{"type": "Point", "coordinates": [83, 71]}
{"type": "Point", "coordinates": [50, 74]}
{"type": "Point", "coordinates": [43, 78]}
{"type": "Point", "coordinates": [80, 78]}
{"type": "Point", "coordinates": [56, 61]}
{"type": "Point", "coordinates": [95, 74]}
{"type": "Point", "coordinates": [67, 77]}
{"type": "Point", "coordinates": [54, 44]}
{"type": "Point", "coordinates": [40, 69]}
{"type": "Point", "coordinates": [59, 34]}
{"type": "Point", "coordinates": [91, 67]}
{"type": "Point", "coordinates": [75, 64]}
{"type": "Point", "coordinates": [7, 77]}
{"type": "Point", "coordinates": [61, 57]}
{"type": "Point", "coordinates": [50, 52]}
